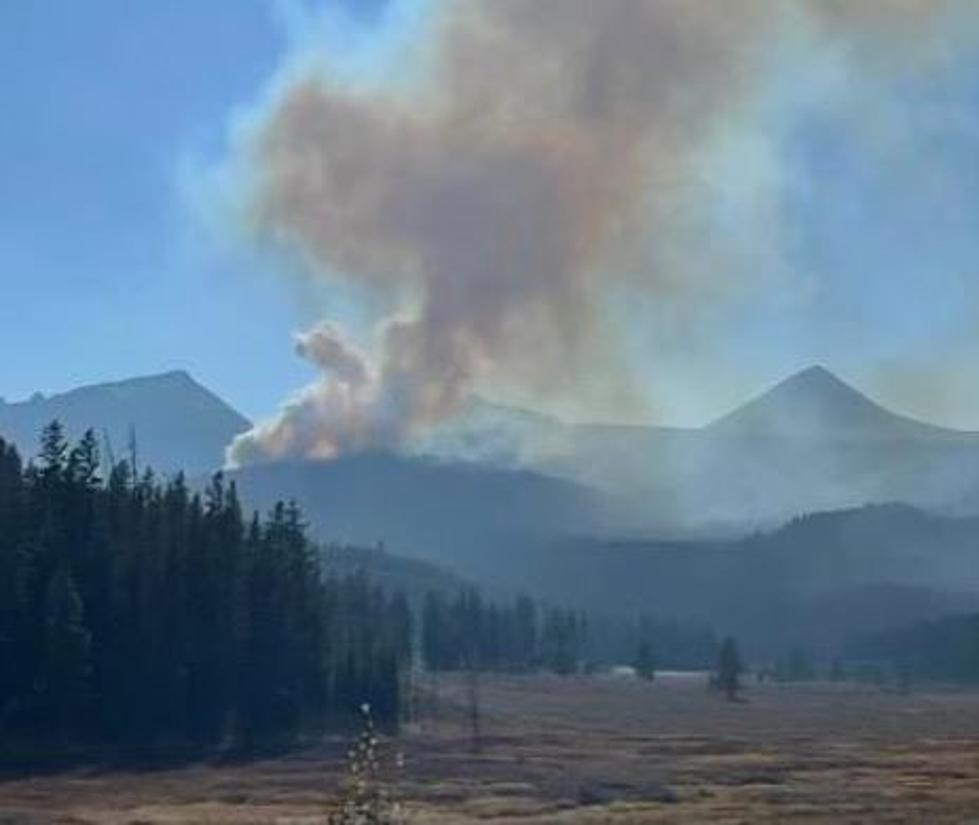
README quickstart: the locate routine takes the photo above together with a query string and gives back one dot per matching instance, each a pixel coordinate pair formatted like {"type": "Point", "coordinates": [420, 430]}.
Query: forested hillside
{"type": "Point", "coordinates": [134, 612]}
{"type": "Point", "coordinates": [945, 650]}
{"type": "Point", "coordinates": [817, 581]}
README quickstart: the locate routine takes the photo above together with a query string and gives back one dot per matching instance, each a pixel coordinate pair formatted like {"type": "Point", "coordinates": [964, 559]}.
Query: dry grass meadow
{"type": "Point", "coordinates": [588, 750]}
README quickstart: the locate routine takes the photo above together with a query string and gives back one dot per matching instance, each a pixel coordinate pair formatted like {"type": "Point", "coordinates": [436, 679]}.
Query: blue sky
{"type": "Point", "coordinates": [102, 274]}
{"type": "Point", "coordinates": [106, 273]}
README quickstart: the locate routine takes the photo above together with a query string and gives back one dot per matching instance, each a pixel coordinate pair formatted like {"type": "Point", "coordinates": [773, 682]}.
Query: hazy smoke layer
{"type": "Point", "coordinates": [499, 203]}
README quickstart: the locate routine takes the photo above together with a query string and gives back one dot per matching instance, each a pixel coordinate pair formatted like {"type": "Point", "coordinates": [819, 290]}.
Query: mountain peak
{"type": "Point", "coordinates": [168, 378]}
{"type": "Point", "coordinates": [181, 376]}
{"type": "Point", "coordinates": [179, 423]}
{"type": "Point", "coordinates": [817, 403]}
{"type": "Point", "coordinates": [816, 379]}
{"type": "Point", "coordinates": [817, 372]}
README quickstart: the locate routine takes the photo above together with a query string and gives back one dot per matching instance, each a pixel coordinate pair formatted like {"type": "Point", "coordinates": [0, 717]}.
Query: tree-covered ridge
{"type": "Point", "coordinates": [945, 650]}
{"type": "Point", "coordinates": [470, 633]}
{"type": "Point", "coordinates": [136, 611]}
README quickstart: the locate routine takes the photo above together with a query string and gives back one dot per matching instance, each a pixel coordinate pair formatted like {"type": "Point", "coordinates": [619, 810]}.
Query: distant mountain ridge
{"type": "Point", "coordinates": [815, 403]}
{"type": "Point", "coordinates": [812, 442]}
{"type": "Point", "coordinates": [816, 580]}
{"type": "Point", "coordinates": [178, 424]}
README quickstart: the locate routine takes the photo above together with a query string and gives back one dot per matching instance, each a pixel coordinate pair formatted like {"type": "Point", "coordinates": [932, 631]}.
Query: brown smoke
{"type": "Point", "coordinates": [497, 205]}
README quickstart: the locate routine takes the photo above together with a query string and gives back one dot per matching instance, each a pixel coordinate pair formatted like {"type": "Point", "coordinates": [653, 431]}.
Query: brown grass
{"type": "Point", "coordinates": [591, 750]}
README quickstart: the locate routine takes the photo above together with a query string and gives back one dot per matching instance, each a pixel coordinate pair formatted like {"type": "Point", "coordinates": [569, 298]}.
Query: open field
{"type": "Point", "coordinates": [590, 750]}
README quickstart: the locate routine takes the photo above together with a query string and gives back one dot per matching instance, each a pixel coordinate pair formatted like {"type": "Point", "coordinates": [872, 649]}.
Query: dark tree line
{"type": "Point", "coordinates": [648, 642]}
{"type": "Point", "coordinates": [135, 611]}
{"type": "Point", "coordinates": [470, 633]}
{"type": "Point", "coordinates": [943, 650]}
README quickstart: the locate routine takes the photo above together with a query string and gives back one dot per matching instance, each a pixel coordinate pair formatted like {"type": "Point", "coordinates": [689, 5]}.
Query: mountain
{"type": "Point", "coordinates": [523, 513]}
{"type": "Point", "coordinates": [178, 424]}
{"type": "Point", "coordinates": [490, 433]}
{"type": "Point", "coordinates": [817, 580]}
{"type": "Point", "coordinates": [815, 404]}
{"type": "Point", "coordinates": [463, 514]}
{"type": "Point", "coordinates": [810, 443]}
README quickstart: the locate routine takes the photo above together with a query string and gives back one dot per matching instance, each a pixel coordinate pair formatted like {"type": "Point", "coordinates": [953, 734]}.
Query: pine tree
{"type": "Point", "coordinates": [54, 451]}
{"type": "Point", "coordinates": [645, 663]}
{"type": "Point", "coordinates": [729, 668]}
{"type": "Point", "coordinates": [836, 673]}
{"type": "Point", "coordinates": [65, 670]}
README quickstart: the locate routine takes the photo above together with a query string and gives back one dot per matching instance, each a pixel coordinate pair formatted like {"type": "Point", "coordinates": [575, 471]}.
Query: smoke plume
{"type": "Point", "coordinates": [498, 204]}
